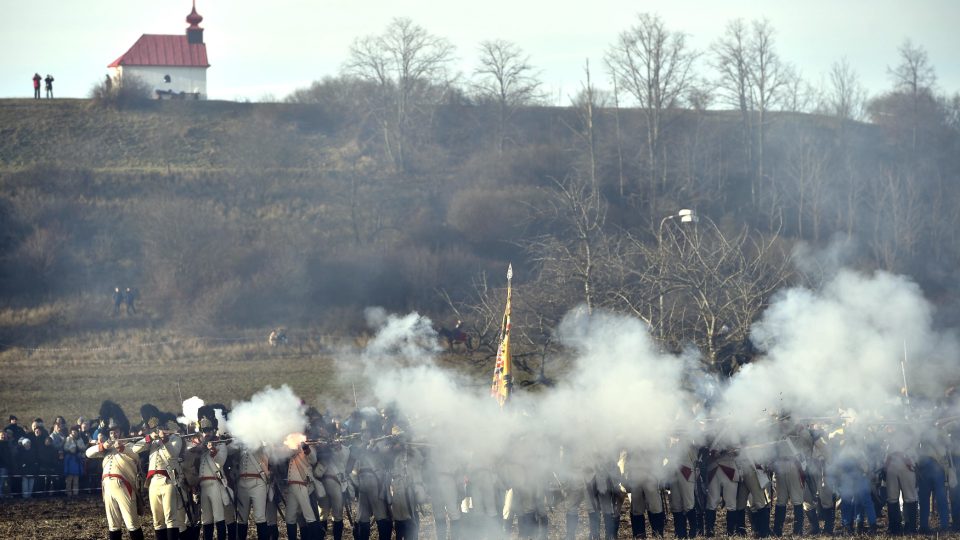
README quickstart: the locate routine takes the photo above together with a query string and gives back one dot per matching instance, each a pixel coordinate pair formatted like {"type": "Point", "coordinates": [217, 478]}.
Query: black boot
{"type": "Point", "coordinates": [741, 529]}
{"type": "Point", "coordinates": [136, 535]}
{"type": "Point", "coordinates": [321, 532]}
{"type": "Point", "coordinates": [798, 520]}
{"type": "Point", "coordinates": [115, 535]}
{"type": "Point", "coordinates": [173, 533]}
{"type": "Point", "coordinates": [911, 511]}
{"type": "Point", "coordinates": [610, 526]}
{"type": "Point", "coordinates": [242, 531]}
{"type": "Point", "coordinates": [709, 522]}
{"type": "Point", "coordinates": [573, 521]}
{"type": "Point", "coordinates": [384, 527]}
{"type": "Point", "coordinates": [894, 527]}
{"type": "Point", "coordinates": [638, 525]}
{"type": "Point", "coordinates": [221, 530]}
{"type": "Point", "coordinates": [400, 529]}
{"type": "Point", "coordinates": [594, 522]}
{"type": "Point", "coordinates": [829, 517]}
{"type": "Point", "coordinates": [679, 525]}
{"type": "Point", "coordinates": [732, 521]}
{"type": "Point", "coordinates": [274, 532]}
{"type": "Point", "coordinates": [363, 530]}
{"type": "Point", "coordinates": [337, 530]}
{"type": "Point", "coordinates": [779, 517]}
{"type": "Point", "coordinates": [263, 530]}
{"type": "Point", "coordinates": [694, 523]}
{"type": "Point", "coordinates": [232, 531]}
{"type": "Point", "coordinates": [762, 522]}
{"type": "Point", "coordinates": [814, 520]}
{"type": "Point", "coordinates": [208, 532]}
{"type": "Point", "coordinates": [292, 531]}
{"type": "Point", "coordinates": [658, 523]}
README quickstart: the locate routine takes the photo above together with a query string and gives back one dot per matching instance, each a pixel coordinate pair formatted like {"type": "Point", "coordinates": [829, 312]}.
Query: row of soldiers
{"type": "Point", "coordinates": [205, 482]}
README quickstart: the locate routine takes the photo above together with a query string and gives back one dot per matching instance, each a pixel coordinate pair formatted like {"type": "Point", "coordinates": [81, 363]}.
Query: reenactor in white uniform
{"type": "Point", "coordinates": [825, 490]}
{"type": "Point", "coordinates": [368, 473]}
{"type": "Point", "coordinates": [683, 485]}
{"type": "Point", "coordinates": [901, 478]}
{"type": "Point", "coordinates": [119, 482]}
{"type": "Point", "coordinates": [445, 481]}
{"type": "Point", "coordinates": [640, 472]}
{"type": "Point", "coordinates": [331, 469]}
{"type": "Point", "coordinates": [214, 497]}
{"type": "Point", "coordinates": [163, 480]}
{"type": "Point", "coordinates": [605, 493]}
{"type": "Point", "coordinates": [405, 491]}
{"type": "Point", "coordinates": [253, 483]}
{"type": "Point", "coordinates": [793, 452]}
{"type": "Point", "coordinates": [723, 480]}
{"type": "Point", "coordinates": [754, 492]}
{"type": "Point", "coordinates": [300, 486]}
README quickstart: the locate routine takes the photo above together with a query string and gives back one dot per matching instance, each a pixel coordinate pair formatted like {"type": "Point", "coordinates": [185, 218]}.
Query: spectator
{"type": "Point", "coordinates": [16, 428]}
{"type": "Point", "coordinates": [36, 85]}
{"type": "Point", "coordinates": [117, 300]}
{"type": "Point", "coordinates": [27, 466]}
{"type": "Point", "coordinates": [74, 449]}
{"type": "Point", "coordinates": [49, 85]}
{"type": "Point", "coordinates": [49, 467]}
{"type": "Point", "coordinates": [58, 435]}
{"type": "Point", "coordinates": [129, 297]}
{"type": "Point", "coordinates": [6, 461]}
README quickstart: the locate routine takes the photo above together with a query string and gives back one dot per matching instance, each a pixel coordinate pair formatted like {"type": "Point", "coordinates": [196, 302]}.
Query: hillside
{"type": "Point", "coordinates": [237, 216]}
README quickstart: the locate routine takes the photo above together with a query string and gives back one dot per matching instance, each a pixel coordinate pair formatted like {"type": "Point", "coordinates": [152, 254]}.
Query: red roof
{"type": "Point", "coordinates": [164, 50]}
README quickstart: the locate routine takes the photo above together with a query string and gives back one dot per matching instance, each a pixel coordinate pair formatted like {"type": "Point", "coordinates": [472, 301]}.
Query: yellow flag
{"type": "Point", "coordinates": [503, 370]}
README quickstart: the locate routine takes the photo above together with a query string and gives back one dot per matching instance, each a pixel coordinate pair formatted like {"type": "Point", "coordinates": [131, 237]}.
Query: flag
{"type": "Point", "coordinates": [503, 370]}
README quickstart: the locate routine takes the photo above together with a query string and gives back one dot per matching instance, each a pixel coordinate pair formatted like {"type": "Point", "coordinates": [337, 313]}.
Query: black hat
{"type": "Point", "coordinates": [113, 414]}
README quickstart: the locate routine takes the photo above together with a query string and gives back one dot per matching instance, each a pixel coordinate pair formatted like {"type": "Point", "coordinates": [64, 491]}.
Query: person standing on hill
{"type": "Point", "coordinates": [129, 297]}
{"type": "Point", "coordinates": [49, 85]}
{"type": "Point", "coordinates": [36, 85]}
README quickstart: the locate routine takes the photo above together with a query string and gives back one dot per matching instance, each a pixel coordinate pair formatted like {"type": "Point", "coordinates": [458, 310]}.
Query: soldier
{"type": "Point", "coordinates": [605, 492]}
{"type": "Point", "coordinates": [119, 479]}
{"type": "Point", "coordinates": [253, 485]}
{"type": "Point", "coordinates": [213, 490]}
{"type": "Point", "coordinates": [754, 486]}
{"type": "Point", "coordinates": [405, 485]}
{"type": "Point", "coordinates": [934, 466]}
{"type": "Point", "coordinates": [445, 474]}
{"type": "Point", "coordinates": [850, 470]}
{"type": "Point", "coordinates": [683, 485]}
{"type": "Point", "coordinates": [723, 479]}
{"type": "Point", "coordinates": [368, 473]}
{"type": "Point", "coordinates": [300, 486]}
{"type": "Point", "coordinates": [793, 452]}
{"type": "Point", "coordinates": [824, 488]}
{"type": "Point", "coordinates": [640, 472]}
{"type": "Point", "coordinates": [164, 478]}
{"type": "Point", "coordinates": [332, 461]}
{"type": "Point", "coordinates": [899, 469]}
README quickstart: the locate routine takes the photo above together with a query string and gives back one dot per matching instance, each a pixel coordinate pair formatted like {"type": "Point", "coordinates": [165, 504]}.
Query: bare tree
{"type": "Point", "coordinates": [768, 76]}
{"type": "Point", "coordinates": [699, 284]}
{"type": "Point", "coordinates": [845, 96]}
{"type": "Point", "coordinates": [505, 77]}
{"type": "Point", "coordinates": [655, 66]}
{"type": "Point", "coordinates": [409, 65]}
{"type": "Point", "coordinates": [576, 248]}
{"type": "Point", "coordinates": [732, 62]}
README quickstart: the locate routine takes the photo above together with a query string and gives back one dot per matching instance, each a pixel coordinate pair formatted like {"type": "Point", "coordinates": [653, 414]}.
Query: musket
{"type": "Point", "coordinates": [335, 440]}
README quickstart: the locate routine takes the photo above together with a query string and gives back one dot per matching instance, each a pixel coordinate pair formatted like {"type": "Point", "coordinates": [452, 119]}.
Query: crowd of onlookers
{"type": "Point", "coordinates": [38, 460]}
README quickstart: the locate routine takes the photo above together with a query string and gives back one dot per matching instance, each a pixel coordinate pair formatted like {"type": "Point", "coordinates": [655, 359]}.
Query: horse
{"type": "Point", "coordinates": [456, 336]}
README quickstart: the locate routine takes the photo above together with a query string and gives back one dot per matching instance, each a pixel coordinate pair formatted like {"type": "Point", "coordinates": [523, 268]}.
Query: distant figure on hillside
{"type": "Point", "coordinates": [117, 300]}
{"type": "Point", "coordinates": [129, 297]}
{"type": "Point", "coordinates": [36, 85]}
{"type": "Point", "coordinates": [108, 83]}
{"type": "Point", "coordinates": [277, 337]}
{"type": "Point", "coordinates": [49, 85]}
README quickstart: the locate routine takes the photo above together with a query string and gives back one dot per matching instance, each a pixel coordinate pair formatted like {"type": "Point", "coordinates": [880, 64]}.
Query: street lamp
{"type": "Point", "coordinates": [686, 215]}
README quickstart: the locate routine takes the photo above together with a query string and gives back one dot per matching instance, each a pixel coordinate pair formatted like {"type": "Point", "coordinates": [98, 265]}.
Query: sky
{"type": "Point", "coordinates": [266, 49]}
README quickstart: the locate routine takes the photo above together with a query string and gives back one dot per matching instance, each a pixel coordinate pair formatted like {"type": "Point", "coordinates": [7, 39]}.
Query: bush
{"type": "Point", "coordinates": [132, 93]}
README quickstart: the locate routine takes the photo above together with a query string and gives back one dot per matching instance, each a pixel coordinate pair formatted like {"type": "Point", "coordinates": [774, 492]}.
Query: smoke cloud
{"type": "Point", "coordinates": [267, 419]}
